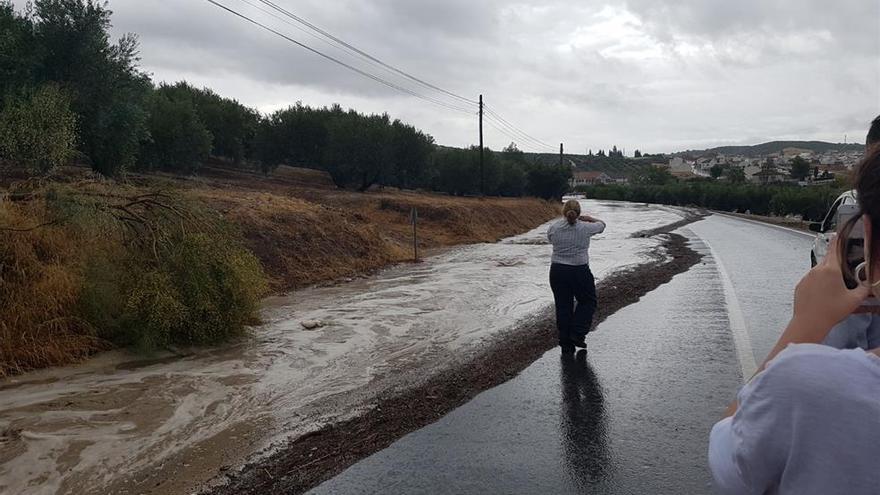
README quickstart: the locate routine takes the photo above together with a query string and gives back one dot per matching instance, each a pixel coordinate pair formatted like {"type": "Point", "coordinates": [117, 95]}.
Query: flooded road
{"type": "Point", "coordinates": [163, 426]}
{"type": "Point", "coordinates": [632, 414]}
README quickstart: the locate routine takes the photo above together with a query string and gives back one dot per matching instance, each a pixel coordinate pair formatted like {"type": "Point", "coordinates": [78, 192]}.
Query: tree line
{"type": "Point", "coordinates": [811, 203]}
{"type": "Point", "coordinates": [69, 93]}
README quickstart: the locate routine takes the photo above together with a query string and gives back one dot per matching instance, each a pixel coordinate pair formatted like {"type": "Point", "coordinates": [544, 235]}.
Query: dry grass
{"type": "Point", "coordinates": [301, 243]}
{"type": "Point", "coordinates": [39, 285]}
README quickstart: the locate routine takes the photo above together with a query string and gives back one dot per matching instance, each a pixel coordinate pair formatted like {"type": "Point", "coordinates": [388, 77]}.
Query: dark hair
{"type": "Point", "coordinates": [873, 133]}
{"type": "Point", "coordinates": [867, 187]}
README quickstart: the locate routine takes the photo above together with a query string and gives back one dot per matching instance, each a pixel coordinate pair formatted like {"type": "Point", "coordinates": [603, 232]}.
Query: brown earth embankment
{"type": "Point", "coordinates": [57, 233]}
{"type": "Point", "coordinates": [306, 231]}
{"type": "Point", "coordinates": [308, 239]}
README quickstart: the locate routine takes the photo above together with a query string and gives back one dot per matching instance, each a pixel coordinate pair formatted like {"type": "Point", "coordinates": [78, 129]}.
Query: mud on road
{"type": "Point", "coordinates": [305, 462]}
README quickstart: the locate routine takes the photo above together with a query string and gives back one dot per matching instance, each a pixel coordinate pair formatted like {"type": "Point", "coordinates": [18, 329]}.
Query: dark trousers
{"type": "Point", "coordinates": [569, 284]}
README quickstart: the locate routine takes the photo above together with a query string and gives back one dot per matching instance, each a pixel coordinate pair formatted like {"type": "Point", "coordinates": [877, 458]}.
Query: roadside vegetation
{"type": "Point", "coordinates": [87, 266]}
{"type": "Point", "coordinates": [811, 203]}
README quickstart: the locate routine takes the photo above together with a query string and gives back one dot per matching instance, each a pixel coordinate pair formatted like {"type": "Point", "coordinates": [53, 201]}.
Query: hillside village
{"type": "Point", "coordinates": [760, 168]}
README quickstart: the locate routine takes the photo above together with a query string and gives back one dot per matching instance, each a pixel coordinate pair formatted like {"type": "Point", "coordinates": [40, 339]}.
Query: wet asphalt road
{"type": "Point", "coordinates": [631, 415]}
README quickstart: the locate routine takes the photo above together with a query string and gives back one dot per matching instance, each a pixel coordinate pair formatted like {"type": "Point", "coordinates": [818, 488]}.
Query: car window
{"type": "Point", "coordinates": [830, 222]}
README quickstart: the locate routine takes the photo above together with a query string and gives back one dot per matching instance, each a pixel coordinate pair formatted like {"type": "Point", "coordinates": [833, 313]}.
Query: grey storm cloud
{"type": "Point", "coordinates": [852, 24]}
{"type": "Point", "coordinates": [659, 75]}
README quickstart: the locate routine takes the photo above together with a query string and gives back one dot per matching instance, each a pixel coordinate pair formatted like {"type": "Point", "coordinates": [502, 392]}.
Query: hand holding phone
{"type": "Point", "coordinates": [854, 247]}
{"type": "Point", "coordinates": [855, 253]}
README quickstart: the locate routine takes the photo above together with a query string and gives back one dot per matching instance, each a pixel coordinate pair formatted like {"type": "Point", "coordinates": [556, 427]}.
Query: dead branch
{"type": "Point", "coordinates": [35, 227]}
{"type": "Point", "coordinates": [18, 197]}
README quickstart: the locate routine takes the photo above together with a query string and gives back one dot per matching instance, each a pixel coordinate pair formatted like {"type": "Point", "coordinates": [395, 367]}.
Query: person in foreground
{"type": "Point", "coordinates": [861, 329]}
{"type": "Point", "coordinates": [570, 275]}
{"type": "Point", "coordinates": [805, 423]}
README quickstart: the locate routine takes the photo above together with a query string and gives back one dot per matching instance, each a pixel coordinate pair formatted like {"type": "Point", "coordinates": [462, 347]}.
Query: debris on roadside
{"type": "Point", "coordinates": [312, 324]}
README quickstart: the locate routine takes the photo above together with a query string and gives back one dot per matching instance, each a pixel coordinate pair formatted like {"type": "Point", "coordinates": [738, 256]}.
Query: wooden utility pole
{"type": "Point", "coordinates": [415, 223]}
{"type": "Point", "coordinates": [482, 177]}
{"type": "Point", "coordinates": [560, 155]}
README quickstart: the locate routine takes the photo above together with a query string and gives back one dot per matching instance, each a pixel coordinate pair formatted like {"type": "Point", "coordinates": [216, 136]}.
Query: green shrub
{"type": "Point", "coordinates": [152, 314]}
{"type": "Point", "coordinates": [218, 286]}
{"type": "Point", "coordinates": [184, 279]}
{"type": "Point", "coordinates": [38, 132]}
{"type": "Point", "coordinates": [201, 292]}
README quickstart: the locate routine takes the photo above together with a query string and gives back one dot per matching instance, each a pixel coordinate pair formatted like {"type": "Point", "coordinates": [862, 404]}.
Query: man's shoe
{"type": "Point", "coordinates": [580, 342]}
{"type": "Point", "coordinates": [567, 348]}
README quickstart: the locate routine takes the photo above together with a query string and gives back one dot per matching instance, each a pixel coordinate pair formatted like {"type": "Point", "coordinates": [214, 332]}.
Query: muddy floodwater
{"type": "Point", "coordinates": [165, 425]}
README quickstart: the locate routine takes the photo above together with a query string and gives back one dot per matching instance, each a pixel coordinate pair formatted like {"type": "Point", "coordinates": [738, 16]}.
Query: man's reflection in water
{"type": "Point", "coordinates": [583, 429]}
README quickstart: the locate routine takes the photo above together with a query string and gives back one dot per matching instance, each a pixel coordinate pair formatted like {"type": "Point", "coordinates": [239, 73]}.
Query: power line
{"type": "Point", "coordinates": [340, 62]}
{"type": "Point", "coordinates": [516, 129]}
{"type": "Point", "coordinates": [525, 146]}
{"type": "Point", "coordinates": [492, 117]}
{"type": "Point", "coordinates": [518, 135]}
{"type": "Point", "coordinates": [335, 46]}
{"type": "Point", "coordinates": [363, 53]}
{"type": "Point", "coordinates": [519, 138]}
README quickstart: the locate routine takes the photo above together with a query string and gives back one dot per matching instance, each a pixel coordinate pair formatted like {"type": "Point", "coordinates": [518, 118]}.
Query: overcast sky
{"type": "Point", "coordinates": [659, 75]}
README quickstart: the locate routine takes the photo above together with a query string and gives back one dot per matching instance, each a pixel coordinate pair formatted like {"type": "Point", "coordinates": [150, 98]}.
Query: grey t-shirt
{"type": "Point", "coordinates": [571, 243]}
{"type": "Point", "coordinates": [808, 424]}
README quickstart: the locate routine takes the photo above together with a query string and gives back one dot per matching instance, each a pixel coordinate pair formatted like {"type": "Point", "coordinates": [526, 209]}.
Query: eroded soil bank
{"type": "Point", "coordinates": [306, 231]}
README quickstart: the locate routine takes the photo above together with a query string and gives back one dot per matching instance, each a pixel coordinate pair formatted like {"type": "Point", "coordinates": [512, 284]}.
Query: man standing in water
{"type": "Point", "coordinates": [570, 276]}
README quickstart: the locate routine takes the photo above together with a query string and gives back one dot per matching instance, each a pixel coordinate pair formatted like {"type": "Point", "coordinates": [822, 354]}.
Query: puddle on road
{"type": "Point", "coordinates": [159, 426]}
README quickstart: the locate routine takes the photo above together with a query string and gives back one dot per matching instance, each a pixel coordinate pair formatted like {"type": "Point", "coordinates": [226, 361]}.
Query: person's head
{"type": "Point", "coordinates": [867, 187]}
{"type": "Point", "coordinates": [873, 134]}
{"type": "Point", "coordinates": [572, 210]}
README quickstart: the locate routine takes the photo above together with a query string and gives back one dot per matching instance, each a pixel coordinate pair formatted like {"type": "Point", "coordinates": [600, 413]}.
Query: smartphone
{"type": "Point", "coordinates": [855, 249]}
{"type": "Point", "coordinates": [855, 243]}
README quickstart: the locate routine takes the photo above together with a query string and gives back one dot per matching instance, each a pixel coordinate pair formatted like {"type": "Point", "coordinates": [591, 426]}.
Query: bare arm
{"type": "Point", "coordinates": [588, 218]}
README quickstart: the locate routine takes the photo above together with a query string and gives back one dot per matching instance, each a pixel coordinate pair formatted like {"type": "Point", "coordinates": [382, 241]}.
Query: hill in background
{"type": "Point", "coordinates": [772, 147]}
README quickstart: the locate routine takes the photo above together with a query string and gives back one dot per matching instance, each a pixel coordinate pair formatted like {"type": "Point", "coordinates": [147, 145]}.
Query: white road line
{"type": "Point", "coordinates": [765, 224]}
{"type": "Point", "coordinates": [741, 339]}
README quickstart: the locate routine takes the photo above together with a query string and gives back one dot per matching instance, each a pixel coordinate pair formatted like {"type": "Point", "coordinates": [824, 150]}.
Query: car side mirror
{"type": "Point", "coordinates": [816, 226]}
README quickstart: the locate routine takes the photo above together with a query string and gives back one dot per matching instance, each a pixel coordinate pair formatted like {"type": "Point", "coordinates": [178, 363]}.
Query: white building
{"type": "Point", "coordinates": [589, 179]}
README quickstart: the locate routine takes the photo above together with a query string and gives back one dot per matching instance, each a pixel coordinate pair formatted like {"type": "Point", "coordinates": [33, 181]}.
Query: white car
{"type": "Point", "coordinates": [826, 228]}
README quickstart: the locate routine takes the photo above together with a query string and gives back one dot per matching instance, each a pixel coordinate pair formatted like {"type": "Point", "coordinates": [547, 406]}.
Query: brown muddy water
{"type": "Point", "coordinates": [171, 424]}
